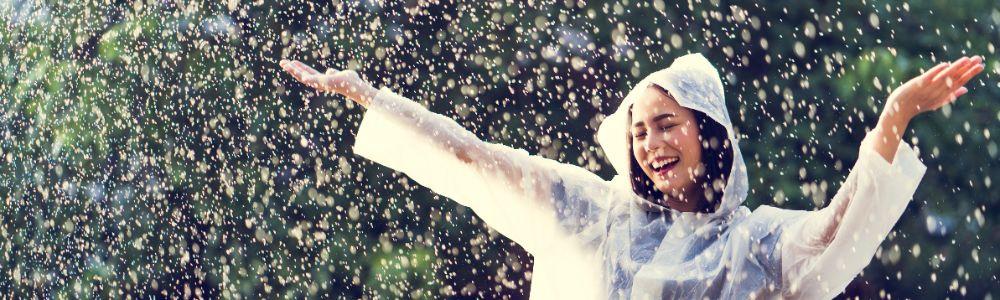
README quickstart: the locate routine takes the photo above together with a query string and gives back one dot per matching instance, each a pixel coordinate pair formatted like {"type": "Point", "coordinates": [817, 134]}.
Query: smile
{"type": "Point", "coordinates": [662, 166]}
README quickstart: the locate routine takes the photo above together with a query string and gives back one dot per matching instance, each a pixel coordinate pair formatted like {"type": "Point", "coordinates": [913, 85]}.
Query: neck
{"type": "Point", "coordinates": [688, 200]}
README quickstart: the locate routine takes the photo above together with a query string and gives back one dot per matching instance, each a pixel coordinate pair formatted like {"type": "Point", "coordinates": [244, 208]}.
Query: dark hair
{"type": "Point", "coordinates": [716, 155]}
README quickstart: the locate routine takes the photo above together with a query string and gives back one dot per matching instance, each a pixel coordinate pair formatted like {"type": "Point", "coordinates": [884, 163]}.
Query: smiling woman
{"type": "Point", "coordinates": [681, 159]}
{"type": "Point", "coordinates": [671, 224]}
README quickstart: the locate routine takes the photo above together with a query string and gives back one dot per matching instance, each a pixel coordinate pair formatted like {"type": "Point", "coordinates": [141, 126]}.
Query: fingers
{"type": "Point", "coordinates": [343, 82]}
{"type": "Point", "coordinates": [933, 72]}
{"type": "Point", "coordinates": [303, 73]}
{"type": "Point", "coordinates": [974, 61]}
{"type": "Point", "coordinates": [974, 68]}
{"type": "Point", "coordinates": [305, 68]}
{"type": "Point", "coordinates": [297, 71]}
{"type": "Point", "coordinates": [297, 68]}
{"type": "Point", "coordinates": [969, 73]}
{"type": "Point", "coordinates": [971, 63]}
{"type": "Point", "coordinates": [312, 80]}
{"type": "Point", "coordinates": [961, 91]}
{"type": "Point", "coordinates": [949, 73]}
{"type": "Point", "coordinates": [302, 70]}
{"type": "Point", "coordinates": [291, 69]}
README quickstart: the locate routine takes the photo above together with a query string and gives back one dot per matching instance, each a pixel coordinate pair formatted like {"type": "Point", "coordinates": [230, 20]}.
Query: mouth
{"type": "Point", "coordinates": [663, 165]}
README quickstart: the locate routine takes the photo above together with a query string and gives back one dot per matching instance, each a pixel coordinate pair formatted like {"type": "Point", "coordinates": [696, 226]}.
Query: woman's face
{"type": "Point", "coordinates": [665, 144]}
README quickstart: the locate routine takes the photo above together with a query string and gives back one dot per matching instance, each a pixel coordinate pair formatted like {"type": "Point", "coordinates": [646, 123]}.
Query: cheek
{"type": "Point", "coordinates": [684, 136]}
{"type": "Point", "coordinates": [638, 155]}
{"type": "Point", "coordinates": [694, 152]}
{"type": "Point", "coordinates": [690, 145]}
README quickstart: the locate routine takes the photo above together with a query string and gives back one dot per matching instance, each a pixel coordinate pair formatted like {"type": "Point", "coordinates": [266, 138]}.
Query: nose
{"type": "Point", "coordinates": [655, 141]}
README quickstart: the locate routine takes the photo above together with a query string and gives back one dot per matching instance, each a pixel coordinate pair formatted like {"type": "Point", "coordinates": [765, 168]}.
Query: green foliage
{"type": "Point", "coordinates": [151, 147]}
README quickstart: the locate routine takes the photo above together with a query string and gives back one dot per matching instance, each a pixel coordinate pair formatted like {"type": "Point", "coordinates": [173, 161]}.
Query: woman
{"type": "Point", "coordinates": [671, 223]}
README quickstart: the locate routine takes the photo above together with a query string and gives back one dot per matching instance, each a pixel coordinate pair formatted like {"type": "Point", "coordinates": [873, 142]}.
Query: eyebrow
{"type": "Point", "coordinates": [656, 118]}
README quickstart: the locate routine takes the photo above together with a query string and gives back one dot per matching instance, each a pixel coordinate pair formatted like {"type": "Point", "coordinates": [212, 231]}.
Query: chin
{"type": "Point", "coordinates": [672, 190]}
{"type": "Point", "coordinates": [667, 189]}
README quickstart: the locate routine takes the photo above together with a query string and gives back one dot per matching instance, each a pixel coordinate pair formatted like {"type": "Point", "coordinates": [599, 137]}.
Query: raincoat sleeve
{"type": "Point", "coordinates": [823, 250]}
{"type": "Point", "coordinates": [536, 202]}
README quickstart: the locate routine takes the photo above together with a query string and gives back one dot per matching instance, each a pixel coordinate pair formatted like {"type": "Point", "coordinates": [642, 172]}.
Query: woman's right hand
{"type": "Point", "coordinates": [346, 82]}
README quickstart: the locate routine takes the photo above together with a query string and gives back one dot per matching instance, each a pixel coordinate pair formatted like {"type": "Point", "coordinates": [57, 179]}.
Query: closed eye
{"type": "Point", "coordinates": [664, 128]}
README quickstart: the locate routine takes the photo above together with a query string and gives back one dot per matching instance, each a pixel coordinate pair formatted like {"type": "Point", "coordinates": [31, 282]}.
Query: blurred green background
{"type": "Point", "coordinates": [152, 147]}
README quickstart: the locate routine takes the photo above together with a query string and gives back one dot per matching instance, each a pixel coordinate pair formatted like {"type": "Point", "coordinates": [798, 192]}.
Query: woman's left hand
{"type": "Point", "coordinates": [933, 89]}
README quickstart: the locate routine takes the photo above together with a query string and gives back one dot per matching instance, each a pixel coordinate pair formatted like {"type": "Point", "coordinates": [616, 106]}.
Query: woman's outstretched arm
{"type": "Point", "coordinates": [535, 201]}
{"type": "Point", "coordinates": [825, 249]}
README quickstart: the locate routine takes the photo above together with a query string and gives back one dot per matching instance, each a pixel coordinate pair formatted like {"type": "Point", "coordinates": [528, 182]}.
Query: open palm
{"type": "Point", "coordinates": [938, 86]}
{"type": "Point", "coordinates": [344, 82]}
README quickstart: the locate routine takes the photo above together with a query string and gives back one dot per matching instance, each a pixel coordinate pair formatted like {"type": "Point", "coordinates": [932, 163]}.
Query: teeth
{"type": "Point", "coordinates": [661, 163]}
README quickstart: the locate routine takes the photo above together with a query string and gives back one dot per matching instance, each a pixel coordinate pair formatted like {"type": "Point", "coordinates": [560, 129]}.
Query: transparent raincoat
{"type": "Point", "coordinates": [595, 239]}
